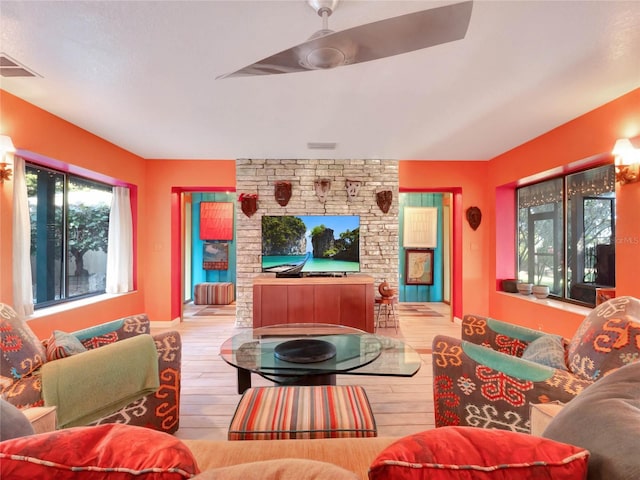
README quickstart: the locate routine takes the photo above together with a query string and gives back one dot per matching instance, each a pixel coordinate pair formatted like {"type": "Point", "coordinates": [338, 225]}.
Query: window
{"type": "Point", "coordinates": [69, 233]}
{"type": "Point", "coordinates": [566, 234]}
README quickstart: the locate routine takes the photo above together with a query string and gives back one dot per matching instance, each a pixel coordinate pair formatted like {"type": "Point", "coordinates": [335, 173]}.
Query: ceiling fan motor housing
{"type": "Point", "coordinates": [321, 6]}
{"type": "Point", "coordinates": [322, 56]}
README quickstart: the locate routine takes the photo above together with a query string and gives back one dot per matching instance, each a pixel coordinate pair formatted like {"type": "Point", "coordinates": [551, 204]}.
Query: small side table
{"type": "Point", "coordinates": [541, 416]}
{"type": "Point", "coordinates": [43, 419]}
{"type": "Point", "coordinates": [389, 311]}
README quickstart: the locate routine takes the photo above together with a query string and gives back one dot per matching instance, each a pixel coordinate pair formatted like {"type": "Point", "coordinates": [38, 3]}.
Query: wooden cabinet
{"type": "Point", "coordinates": [338, 300]}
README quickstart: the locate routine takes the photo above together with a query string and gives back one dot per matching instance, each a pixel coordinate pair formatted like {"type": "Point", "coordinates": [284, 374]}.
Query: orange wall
{"type": "Point", "coordinates": [163, 178]}
{"type": "Point", "coordinates": [35, 130]}
{"type": "Point", "coordinates": [160, 181]}
{"type": "Point", "coordinates": [586, 139]}
{"type": "Point", "coordinates": [434, 175]}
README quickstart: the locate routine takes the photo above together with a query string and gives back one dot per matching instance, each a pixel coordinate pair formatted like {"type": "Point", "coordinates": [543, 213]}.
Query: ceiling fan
{"type": "Point", "coordinates": [328, 49]}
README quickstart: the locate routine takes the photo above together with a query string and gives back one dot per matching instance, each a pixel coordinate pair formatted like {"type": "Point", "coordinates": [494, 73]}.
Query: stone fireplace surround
{"type": "Point", "coordinates": [378, 230]}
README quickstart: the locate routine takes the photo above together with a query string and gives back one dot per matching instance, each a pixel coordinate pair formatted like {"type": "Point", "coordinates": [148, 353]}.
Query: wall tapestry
{"type": "Point", "coordinates": [420, 227]}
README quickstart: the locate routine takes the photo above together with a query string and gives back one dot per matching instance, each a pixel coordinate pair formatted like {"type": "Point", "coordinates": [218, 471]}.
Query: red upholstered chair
{"type": "Point", "coordinates": [496, 371]}
{"type": "Point", "coordinates": [25, 359]}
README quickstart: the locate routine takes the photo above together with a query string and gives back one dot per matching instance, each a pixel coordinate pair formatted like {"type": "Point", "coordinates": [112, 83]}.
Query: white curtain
{"type": "Point", "coordinates": [120, 249]}
{"type": "Point", "coordinates": [22, 284]}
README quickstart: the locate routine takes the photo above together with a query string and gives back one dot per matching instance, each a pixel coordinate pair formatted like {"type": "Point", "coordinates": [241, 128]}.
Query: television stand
{"type": "Point", "coordinates": [343, 301]}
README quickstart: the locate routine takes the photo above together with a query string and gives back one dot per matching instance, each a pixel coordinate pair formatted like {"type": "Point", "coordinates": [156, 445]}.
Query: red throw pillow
{"type": "Point", "coordinates": [470, 452]}
{"type": "Point", "coordinates": [113, 451]}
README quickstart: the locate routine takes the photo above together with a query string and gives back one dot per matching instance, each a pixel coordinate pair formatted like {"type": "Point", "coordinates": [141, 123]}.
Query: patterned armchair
{"type": "Point", "coordinates": [25, 360]}
{"type": "Point", "coordinates": [496, 371]}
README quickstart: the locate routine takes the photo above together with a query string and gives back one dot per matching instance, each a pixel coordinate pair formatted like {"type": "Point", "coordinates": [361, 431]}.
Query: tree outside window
{"type": "Point", "coordinates": [69, 234]}
{"type": "Point", "coordinates": [566, 234]}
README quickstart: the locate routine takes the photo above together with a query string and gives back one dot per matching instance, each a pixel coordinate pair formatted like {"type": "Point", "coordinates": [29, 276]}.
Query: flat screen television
{"type": "Point", "coordinates": [294, 245]}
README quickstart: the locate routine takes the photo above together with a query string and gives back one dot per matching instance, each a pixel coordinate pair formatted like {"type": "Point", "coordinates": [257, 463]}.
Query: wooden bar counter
{"type": "Point", "coordinates": [337, 300]}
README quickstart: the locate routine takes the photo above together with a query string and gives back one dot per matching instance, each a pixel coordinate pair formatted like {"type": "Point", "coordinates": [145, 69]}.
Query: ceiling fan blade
{"type": "Point", "coordinates": [372, 41]}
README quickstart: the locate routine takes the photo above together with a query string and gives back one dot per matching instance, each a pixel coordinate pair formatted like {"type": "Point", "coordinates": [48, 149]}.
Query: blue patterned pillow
{"type": "Point", "coordinates": [547, 350]}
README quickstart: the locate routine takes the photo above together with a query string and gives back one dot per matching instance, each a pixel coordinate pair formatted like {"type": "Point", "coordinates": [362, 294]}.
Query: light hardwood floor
{"type": "Point", "coordinates": [209, 397]}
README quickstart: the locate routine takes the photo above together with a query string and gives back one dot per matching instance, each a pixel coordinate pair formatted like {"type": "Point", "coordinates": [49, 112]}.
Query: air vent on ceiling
{"type": "Point", "coordinates": [321, 145]}
{"type": "Point", "coordinates": [12, 68]}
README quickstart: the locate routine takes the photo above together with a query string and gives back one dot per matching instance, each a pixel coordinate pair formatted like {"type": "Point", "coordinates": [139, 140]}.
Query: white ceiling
{"type": "Point", "coordinates": [143, 76]}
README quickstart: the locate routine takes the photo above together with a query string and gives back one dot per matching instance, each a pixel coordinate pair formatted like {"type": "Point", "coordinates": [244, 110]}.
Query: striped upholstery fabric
{"type": "Point", "coordinates": [327, 411]}
{"type": "Point", "coordinates": [213, 293]}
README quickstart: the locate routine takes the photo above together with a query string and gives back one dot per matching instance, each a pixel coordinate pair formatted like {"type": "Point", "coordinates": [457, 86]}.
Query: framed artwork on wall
{"type": "Point", "coordinates": [420, 227]}
{"type": "Point", "coordinates": [215, 256]}
{"type": "Point", "coordinates": [216, 221]}
{"type": "Point", "coordinates": [419, 267]}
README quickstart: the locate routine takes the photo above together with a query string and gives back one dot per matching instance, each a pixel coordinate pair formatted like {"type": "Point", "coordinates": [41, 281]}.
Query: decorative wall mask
{"type": "Point", "coordinates": [353, 187]}
{"type": "Point", "coordinates": [283, 193]}
{"type": "Point", "coordinates": [474, 217]}
{"type": "Point", "coordinates": [322, 186]}
{"type": "Point", "coordinates": [248, 203]}
{"type": "Point", "coordinates": [384, 199]}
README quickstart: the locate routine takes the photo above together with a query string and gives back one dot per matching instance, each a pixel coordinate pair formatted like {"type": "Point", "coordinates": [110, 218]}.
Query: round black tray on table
{"type": "Point", "coordinates": [305, 351]}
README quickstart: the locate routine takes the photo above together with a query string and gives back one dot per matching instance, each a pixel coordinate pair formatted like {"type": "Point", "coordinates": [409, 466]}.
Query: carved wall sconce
{"type": "Point", "coordinates": [322, 186]}
{"type": "Point", "coordinates": [6, 146]}
{"type": "Point", "coordinates": [282, 193]}
{"type": "Point", "coordinates": [353, 187]}
{"type": "Point", "coordinates": [384, 199]}
{"type": "Point", "coordinates": [627, 161]}
{"type": "Point", "coordinates": [248, 203]}
{"type": "Point", "coordinates": [474, 217]}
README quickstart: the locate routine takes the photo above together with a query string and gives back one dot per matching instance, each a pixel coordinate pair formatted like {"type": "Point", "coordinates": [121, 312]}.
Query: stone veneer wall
{"type": "Point", "coordinates": [378, 231]}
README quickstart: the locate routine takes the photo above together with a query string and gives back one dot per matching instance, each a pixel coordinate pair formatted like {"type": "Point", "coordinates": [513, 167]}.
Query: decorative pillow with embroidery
{"type": "Point", "coordinates": [604, 340]}
{"type": "Point", "coordinates": [22, 353]}
{"type": "Point", "coordinates": [547, 350]}
{"type": "Point", "coordinates": [61, 345]}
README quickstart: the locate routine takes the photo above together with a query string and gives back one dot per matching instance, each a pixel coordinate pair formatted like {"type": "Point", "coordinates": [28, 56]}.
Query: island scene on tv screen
{"type": "Point", "coordinates": [310, 244]}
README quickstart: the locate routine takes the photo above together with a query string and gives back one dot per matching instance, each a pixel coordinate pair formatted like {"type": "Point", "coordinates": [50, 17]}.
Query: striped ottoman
{"type": "Point", "coordinates": [213, 293]}
{"type": "Point", "coordinates": [327, 411]}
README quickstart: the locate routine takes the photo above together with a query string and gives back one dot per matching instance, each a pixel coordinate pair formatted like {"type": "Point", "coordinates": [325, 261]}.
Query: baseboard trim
{"type": "Point", "coordinates": [166, 324]}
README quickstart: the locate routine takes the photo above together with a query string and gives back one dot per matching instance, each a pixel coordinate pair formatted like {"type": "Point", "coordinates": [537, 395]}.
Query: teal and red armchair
{"type": "Point", "coordinates": [492, 375]}
{"type": "Point", "coordinates": [111, 373]}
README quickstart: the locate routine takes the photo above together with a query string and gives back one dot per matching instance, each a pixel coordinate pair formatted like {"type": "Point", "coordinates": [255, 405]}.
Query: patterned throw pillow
{"type": "Point", "coordinates": [470, 452]}
{"type": "Point", "coordinates": [605, 340]}
{"type": "Point", "coordinates": [61, 345]}
{"type": "Point", "coordinates": [547, 350]}
{"type": "Point", "coordinates": [112, 451]}
{"type": "Point", "coordinates": [22, 352]}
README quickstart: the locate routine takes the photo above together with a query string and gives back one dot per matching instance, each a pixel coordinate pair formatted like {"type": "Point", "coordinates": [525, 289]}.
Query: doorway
{"type": "Point", "coordinates": [447, 254]}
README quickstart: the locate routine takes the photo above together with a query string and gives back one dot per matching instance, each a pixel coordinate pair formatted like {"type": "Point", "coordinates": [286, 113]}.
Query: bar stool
{"type": "Point", "coordinates": [389, 310]}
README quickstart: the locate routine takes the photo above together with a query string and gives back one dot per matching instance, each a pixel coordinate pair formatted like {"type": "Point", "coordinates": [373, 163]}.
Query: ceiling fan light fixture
{"type": "Point", "coordinates": [323, 58]}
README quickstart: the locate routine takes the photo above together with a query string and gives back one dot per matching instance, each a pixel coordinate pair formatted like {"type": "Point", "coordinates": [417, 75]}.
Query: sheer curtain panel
{"type": "Point", "coordinates": [120, 249]}
{"type": "Point", "coordinates": [22, 282]}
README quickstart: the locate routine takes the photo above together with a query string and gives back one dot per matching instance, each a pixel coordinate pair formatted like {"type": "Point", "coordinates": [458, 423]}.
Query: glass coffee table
{"type": "Point", "coordinates": [313, 354]}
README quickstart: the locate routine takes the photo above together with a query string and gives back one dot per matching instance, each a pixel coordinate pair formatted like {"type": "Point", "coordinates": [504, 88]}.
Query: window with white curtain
{"type": "Point", "coordinates": [566, 234]}
{"type": "Point", "coordinates": [69, 234]}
